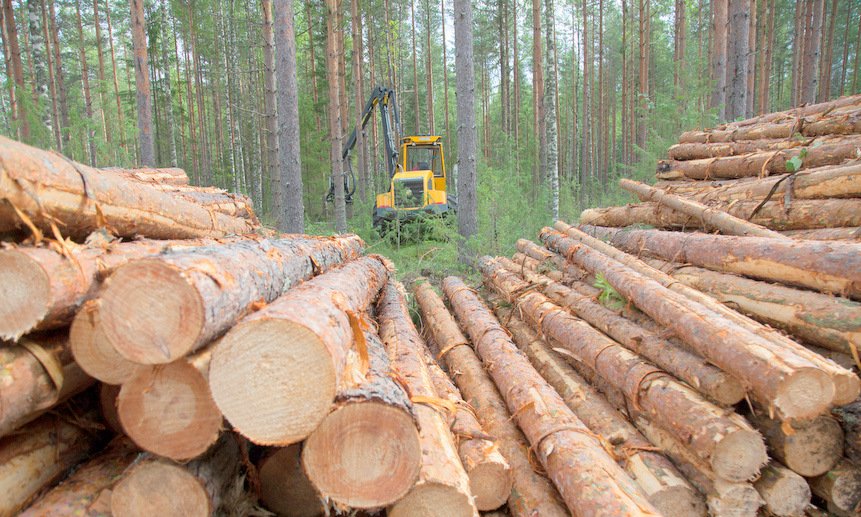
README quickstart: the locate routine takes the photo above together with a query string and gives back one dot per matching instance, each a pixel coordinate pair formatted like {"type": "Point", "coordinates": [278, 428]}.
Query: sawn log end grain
{"type": "Point", "coordinates": [24, 293]}
{"type": "Point", "coordinates": [142, 492]}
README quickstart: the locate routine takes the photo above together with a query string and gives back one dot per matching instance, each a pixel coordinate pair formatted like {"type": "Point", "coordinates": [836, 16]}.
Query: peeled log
{"type": "Point", "coordinates": [809, 448]}
{"type": "Point", "coordinates": [801, 215]}
{"type": "Point", "coordinates": [820, 319]}
{"type": "Point", "coordinates": [665, 487]}
{"type": "Point", "coordinates": [443, 485]}
{"type": "Point", "coordinates": [841, 181]}
{"type": "Point", "coordinates": [43, 287]}
{"type": "Point", "coordinates": [837, 264]}
{"type": "Point", "coordinates": [88, 490]}
{"type": "Point", "coordinates": [366, 453]}
{"type": "Point", "coordinates": [157, 310]}
{"type": "Point", "coordinates": [91, 349]}
{"type": "Point", "coordinates": [785, 493]}
{"type": "Point", "coordinates": [284, 487]}
{"type": "Point", "coordinates": [763, 163]}
{"type": "Point", "coordinates": [203, 487]}
{"type": "Point", "coordinates": [165, 176]}
{"type": "Point", "coordinates": [296, 346]}
{"type": "Point", "coordinates": [840, 487]}
{"type": "Point", "coordinates": [726, 223]}
{"type": "Point", "coordinates": [39, 456]}
{"type": "Point", "coordinates": [675, 359]}
{"type": "Point", "coordinates": [47, 187]}
{"type": "Point", "coordinates": [849, 417]}
{"type": "Point", "coordinates": [734, 450]}
{"type": "Point", "coordinates": [587, 477]}
{"type": "Point", "coordinates": [724, 499]}
{"type": "Point", "coordinates": [531, 494]}
{"type": "Point", "coordinates": [28, 388]}
{"type": "Point", "coordinates": [168, 410]}
{"type": "Point", "coordinates": [846, 383]}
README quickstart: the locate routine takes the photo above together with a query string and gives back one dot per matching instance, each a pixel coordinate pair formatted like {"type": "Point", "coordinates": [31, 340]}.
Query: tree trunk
{"type": "Point", "coordinates": [767, 259]}
{"type": "Point", "coordinates": [92, 352]}
{"type": "Point", "coordinates": [85, 79]}
{"type": "Point", "coordinates": [443, 483]}
{"type": "Point", "coordinates": [537, 96]}
{"type": "Point", "coordinates": [551, 130]}
{"type": "Point", "coordinates": [428, 70]}
{"type": "Point", "coordinates": [366, 453]}
{"type": "Point", "coordinates": [467, 203]}
{"type": "Point", "coordinates": [203, 487]}
{"type": "Point", "coordinates": [88, 490]}
{"type": "Point", "coordinates": [733, 449]}
{"type": "Point", "coordinates": [291, 218]}
{"type": "Point", "coordinates": [809, 448]}
{"type": "Point", "coordinates": [577, 458]}
{"type": "Point", "coordinates": [720, 23]}
{"type": "Point", "coordinates": [42, 454]}
{"type": "Point", "coordinates": [359, 99]}
{"type": "Point", "coordinates": [677, 360]}
{"type": "Point", "coordinates": [11, 37]}
{"type": "Point", "coordinates": [167, 410]}
{"type": "Point", "coordinates": [212, 287]}
{"type": "Point", "coordinates": [444, 43]}
{"type": "Point", "coordinates": [772, 375]}
{"type": "Point", "coordinates": [812, 54]}
{"type": "Point", "coordinates": [82, 199]}
{"type": "Point", "coordinates": [101, 72]}
{"type": "Point", "coordinates": [490, 478]}
{"type": "Point", "coordinates": [847, 386]}
{"type": "Point", "coordinates": [644, 92]}
{"type": "Point", "coordinates": [284, 487]}
{"type": "Point", "coordinates": [532, 493]}
{"type": "Point", "coordinates": [664, 486]}
{"type": "Point", "coordinates": [827, 62]}
{"type": "Point", "coordinates": [752, 53]}
{"type": "Point", "coordinates": [840, 487]}
{"type": "Point", "coordinates": [586, 169]}
{"type": "Point", "coordinates": [696, 151]}
{"type": "Point", "coordinates": [333, 51]}
{"type": "Point", "coordinates": [32, 386]}
{"type": "Point", "coordinates": [726, 223]}
{"type": "Point", "coordinates": [737, 51]}
{"type": "Point", "coordinates": [144, 101]}
{"type": "Point", "coordinates": [52, 84]}
{"type": "Point", "coordinates": [271, 107]}
{"type": "Point", "coordinates": [337, 298]}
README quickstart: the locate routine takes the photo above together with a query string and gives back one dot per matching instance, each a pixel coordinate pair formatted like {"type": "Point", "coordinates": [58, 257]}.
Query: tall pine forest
{"type": "Point", "coordinates": [569, 95]}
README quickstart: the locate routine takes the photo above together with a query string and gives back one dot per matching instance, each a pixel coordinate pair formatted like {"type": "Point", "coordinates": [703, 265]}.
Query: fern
{"type": "Point", "coordinates": [609, 296]}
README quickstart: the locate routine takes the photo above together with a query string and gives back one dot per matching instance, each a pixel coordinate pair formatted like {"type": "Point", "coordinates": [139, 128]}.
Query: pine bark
{"type": "Point", "coordinates": [443, 484]}
{"type": "Point", "coordinates": [142, 85]}
{"type": "Point", "coordinates": [10, 37]}
{"type": "Point", "coordinates": [812, 54]}
{"type": "Point", "coordinates": [849, 417]}
{"type": "Point", "coordinates": [719, 54]}
{"type": "Point", "coordinates": [333, 52]}
{"type": "Point", "coordinates": [270, 105]}
{"type": "Point", "coordinates": [291, 218]}
{"type": "Point", "coordinates": [532, 493]}
{"type": "Point", "coordinates": [467, 203]}
{"type": "Point", "coordinates": [85, 79]}
{"type": "Point", "coordinates": [577, 458]}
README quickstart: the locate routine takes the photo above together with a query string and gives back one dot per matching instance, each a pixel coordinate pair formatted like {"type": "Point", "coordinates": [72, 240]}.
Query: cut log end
{"type": "Point", "coordinates": [847, 388]}
{"type": "Point", "coordinates": [92, 351]}
{"type": "Point", "coordinates": [142, 492]}
{"type": "Point", "coordinates": [813, 449]}
{"type": "Point", "coordinates": [364, 455]}
{"type": "Point", "coordinates": [734, 500]}
{"type": "Point", "coordinates": [137, 331]}
{"type": "Point", "coordinates": [678, 500]}
{"type": "Point", "coordinates": [432, 499]}
{"type": "Point", "coordinates": [24, 294]}
{"type": "Point", "coordinates": [284, 368]}
{"type": "Point", "coordinates": [739, 456]}
{"type": "Point", "coordinates": [785, 493]}
{"type": "Point", "coordinates": [490, 483]}
{"type": "Point", "coordinates": [168, 410]}
{"type": "Point", "coordinates": [284, 488]}
{"type": "Point", "coordinates": [805, 394]}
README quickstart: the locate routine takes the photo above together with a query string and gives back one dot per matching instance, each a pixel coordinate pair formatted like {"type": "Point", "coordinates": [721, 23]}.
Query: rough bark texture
{"type": "Point", "coordinates": [443, 485]}
{"type": "Point", "coordinates": [675, 359]}
{"type": "Point", "coordinates": [827, 234]}
{"type": "Point", "coordinates": [202, 487]}
{"type": "Point", "coordinates": [42, 287]}
{"type": "Point", "coordinates": [837, 264]}
{"type": "Point", "coordinates": [38, 374]}
{"type": "Point", "coordinates": [88, 490]}
{"type": "Point", "coordinates": [702, 150]}
{"type": "Point", "coordinates": [157, 310]}
{"type": "Point", "coordinates": [849, 417]}
{"type": "Point", "coordinates": [366, 453]}
{"type": "Point", "coordinates": [92, 351]}
{"type": "Point", "coordinates": [732, 447]}
{"type": "Point", "coordinates": [587, 477]}
{"type": "Point", "coordinates": [665, 487]}
{"type": "Point", "coordinates": [168, 410]}
{"type": "Point", "coordinates": [299, 343]}
{"type": "Point", "coordinates": [780, 379]}
{"type": "Point", "coordinates": [42, 454]}
{"type": "Point", "coordinates": [334, 54]}
{"type": "Point", "coordinates": [531, 492]}
{"type": "Point", "coordinates": [142, 85]}
{"type": "Point", "coordinates": [726, 223]}
{"type": "Point", "coordinates": [827, 321]}
{"type": "Point", "coordinates": [284, 487]}
{"type": "Point", "coordinates": [46, 187]}
{"type": "Point", "coordinates": [467, 204]}
{"type": "Point", "coordinates": [773, 215]}
{"type": "Point", "coordinates": [840, 487]}
{"type": "Point", "coordinates": [785, 493]}
{"type": "Point", "coordinates": [738, 41]}
{"type": "Point", "coordinates": [809, 448]}
{"type": "Point", "coordinates": [847, 386]}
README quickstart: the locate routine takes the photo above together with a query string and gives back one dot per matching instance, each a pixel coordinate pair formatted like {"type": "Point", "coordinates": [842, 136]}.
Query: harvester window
{"type": "Point", "coordinates": [423, 158]}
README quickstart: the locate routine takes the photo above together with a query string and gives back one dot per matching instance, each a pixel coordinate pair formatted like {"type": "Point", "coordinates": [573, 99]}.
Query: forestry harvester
{"type": "Point", "coordinates": [417, 173]}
